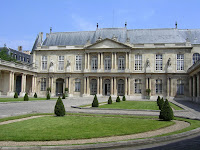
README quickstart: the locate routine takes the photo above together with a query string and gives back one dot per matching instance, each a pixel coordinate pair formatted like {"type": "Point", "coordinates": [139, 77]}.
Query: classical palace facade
{"type": "Point", "coordinates": [111, 61]}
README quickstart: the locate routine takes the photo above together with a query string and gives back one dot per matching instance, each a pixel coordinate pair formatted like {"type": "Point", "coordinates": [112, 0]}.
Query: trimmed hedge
{"type": "Point", "coordinates": [124, 98]}
{"type": "Point", "coordinates": [59, 109]}
{"type": "Point", "coordinates": [26, 98]}
{"type": "Point", "coordinates": [63, 96]}
{"type": "Point", "coordinates": [118, 99]}
{"type": "Point", "coordinates": [16, 95]}
{"type": "Point", "coordinates": [161, 103]}
{"type": "Point", "coordinates": [35, 95]}
{"type": "Point", "coordinates": [166, 112]}
{"type": "Point", "coordinates": [48, 96]}
{"type": "Point", "coordinates": [95, 102]}
{"type": "Point", "coordinates": [158, 100]}
{"type": "Point", "coordinates": [110, 100]}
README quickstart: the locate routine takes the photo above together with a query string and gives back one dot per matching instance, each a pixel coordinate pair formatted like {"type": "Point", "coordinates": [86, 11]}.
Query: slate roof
{"type": "Point", "coordinates": [136, 36]}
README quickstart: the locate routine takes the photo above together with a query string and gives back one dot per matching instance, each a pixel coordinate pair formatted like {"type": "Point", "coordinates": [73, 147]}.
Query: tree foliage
{"type": "Point", "coordinates": [124, 98]}
{"type": "Point", "coordinates": [26, 98]}
{"type": "Point", "coordinates": [5, 56]}
{"type": "Point", "coordinates": [118, 99]}
{"type": "Point", "coordinates": [48, 96]}
{"type": "Point", "coordinates": [110, 100]}
{"type": "Point", "coordinates": [63, 96]}
{"type": "Point", "coordinates": [95, 102]}
{"type": "Point", "coordinates": [16, 95]}
{"type": "Point", "coordinates": [166, 112]}
{"type": "Point", "coordinates": [35, 95]}
{"type": "Point", "coordinates": [59, 109]}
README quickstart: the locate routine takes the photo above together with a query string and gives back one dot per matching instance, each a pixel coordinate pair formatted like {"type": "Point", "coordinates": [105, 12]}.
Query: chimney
{"type": "Point", "coordinates": [41, 37]}
{"type": "Point", "coordinates": [176, 24]}
{"type": "Point", "coordinates": [50, 29]}
{"type": "Point", "coordinates": [125, 24]}
{"type": "Point", "coordinates": [97, 25]}
{"type": "Point", "coordinates": [20, 48]}
{"type": "Point", "coordinates": [47, 35]}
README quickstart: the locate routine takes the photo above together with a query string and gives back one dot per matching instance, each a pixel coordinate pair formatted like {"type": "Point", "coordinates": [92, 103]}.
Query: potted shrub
{"type": "Point", "coordinates": [110, 100]}
{"type": "Point", "coordinates": [148, 91]}
{"type": "Point", "coordinates": [95, 102]}
{"type": "Point", "coordinates": [59, 109]}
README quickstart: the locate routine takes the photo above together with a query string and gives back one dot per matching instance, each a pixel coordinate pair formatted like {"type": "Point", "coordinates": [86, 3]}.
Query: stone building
{"type": "Point", "coordinates": [115, 61]}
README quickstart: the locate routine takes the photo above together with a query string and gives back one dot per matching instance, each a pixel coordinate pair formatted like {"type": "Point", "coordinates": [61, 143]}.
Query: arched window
{"type": "Point", "coordinates": [180, 87]}
{"type": "Point", "coordinates": [77, 85]}
{"type": "Point", "coordinates": [107, 63]}
{"type": "Point", "coordinates": [196, 57]}
{"type": "Point", "coordinates": [158, 86]}
{"type": "Point", "coordinates": [121, 63]}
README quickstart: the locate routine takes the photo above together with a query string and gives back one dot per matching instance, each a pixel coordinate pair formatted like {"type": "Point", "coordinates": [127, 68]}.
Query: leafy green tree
{"type": "Point", "coordinates": [124, 98]}
{"type": "Point", "coordinates": [16, 95]}
{"type": "Point", "coordinates": [59, 109]}
{"type": "Point", "coordinates": [26, 98]}
{"type": "Point", "coordinates": [95, 102]}
{"type": "Point", "coordinates": [166, 112]}
{"type": "Point", "coordinates": [118, 99]}
{"type": "Point", "coordinates": [5, 56]}
{"type": "Point", "coordinates": [110, 100]}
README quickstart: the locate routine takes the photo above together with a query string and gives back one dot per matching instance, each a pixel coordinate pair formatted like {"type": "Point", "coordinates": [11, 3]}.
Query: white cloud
{"type": "Point", "coordinates": [82, 23]}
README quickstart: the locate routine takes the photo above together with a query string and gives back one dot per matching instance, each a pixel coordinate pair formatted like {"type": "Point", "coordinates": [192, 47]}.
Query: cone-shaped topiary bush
{"type": "Point", "coordinates": [35, 95]}
{"type": "Point", "coordinates": [158, 100]}
{"type": "Point", "coordinates": [63, 97]}
{"type": "Point", "coordinates": [16, 95]}
{"type": "Point", "coordinates": [26, 97]}
{"type": "Point", "coordinates": [161, 103]}
{"type": "Point", "coordinates": [124, 98]}
{"type": "Point", "coordinates": [48, 96]}
{"type": "Point", "coordinates": [166, 112]}
{"type": "Point", "coordinates": [118, 99]}
{"type": "Point", "coordinates": [59, 109]}
{"type": "Point", "coordinates": [110, 100]}
{"type": "Point", "coordinates": [95, 102]}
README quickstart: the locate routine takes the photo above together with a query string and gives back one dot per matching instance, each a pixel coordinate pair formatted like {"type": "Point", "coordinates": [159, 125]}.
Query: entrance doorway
{"type": "Point", "coordinates": [59, 87]}
{"type": "Point", "coordinates": [120, 88]}
{"type": "Point", "coordinates": [93, 87]}
{"type": "Point", "coordinates": [107, 87]}
{"type": "Point", "coordinates": [18, 84]}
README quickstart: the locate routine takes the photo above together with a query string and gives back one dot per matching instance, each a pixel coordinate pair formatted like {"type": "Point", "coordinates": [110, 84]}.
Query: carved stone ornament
{"type": "Point", "coordinates": [148, 63]}
{"type": "Point", "coordinates": [169, 62]}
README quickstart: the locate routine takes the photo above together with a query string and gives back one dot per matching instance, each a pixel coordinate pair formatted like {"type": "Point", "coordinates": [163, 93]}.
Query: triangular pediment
{"type": "Point", "coordinates": [107, 43]}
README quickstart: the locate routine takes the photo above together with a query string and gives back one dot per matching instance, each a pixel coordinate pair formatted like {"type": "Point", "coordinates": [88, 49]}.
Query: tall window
{"type": "Point", "coordinates": [77, 85]}
{"type": "Point", "coordinates": [158, 86]}
{"type": "Point", "coordinates": [138, 86]}
{"type": "Point", "coordinates": [180, 87]}
{"type": "Point", "coordinates": [78, 62]}
{"type": "Point", "coordinates": [196, 57]}
{"type": "Point", "coordinates": [107, 63]}
{"type": "Point", "coordinates": [60, 62]}
{"type": "Point", "coordinates": [121, 63]}
{"type": "Point", "coordinates": [180, 62]}
{"type": "Point", "coordinates": [44, 62]}
{"type": "Point", "coordinates": [43, 84]}
{"type": "Point", "coordinates": [94, 63]}
{"type": "Point", "coordinates": [138, 62]}
{"type": "Point", "coordinates": [27, 59]}
{"type": "Point", "coordinates": [159, 62]}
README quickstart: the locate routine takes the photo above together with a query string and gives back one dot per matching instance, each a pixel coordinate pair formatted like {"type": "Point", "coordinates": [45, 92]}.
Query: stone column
{"type": "Point", "coordinates": [99, 61]}
{"type": "Point", "coordinates": [129, 61]}
{"type": "Point", "coordinates": [168, 86]}
{"type": "Point", "coordinates": [25, 83]}
{"type": "Point", "coordinates": [88, 86]}
{"type": "Point", "coordinates": [111, 86]}
{"type": "Point", "coordinates": [126, 60]}
{"type": "Point", "coordinates": [197, 85]}
{"type": "Point", "coordinates": [33, 85]}
{"type": "Point", "coordinates": [66, 82]}
{"type": "Point", "coordinates": [69, 86]}
{"type": "Point", "coordinates": [85, 60]}
{"type": "Point", "coordinates": [125, 82]}
{"type": "Point", "coordinates": [101, 85]}
{"type": "Point", "coordinates": [194, 86]}
{"type": "Point", "coordinates": [88, 61]}
{"type": "Point", "coordinates": [147, 86]}
{"type": "Point", "coordinates": [85, 86]}
{"type": "Point", "coordinates": [102, 61]}
{"type": "Point", "coordinates": [190, 86]}
{"type": "Point", "coordinates": [115, 61]}
{"type": "Point", "coordinates": [112, 64]}
{"type": "Point", "coordinates": [150, 86]}
{"type": "Point", "coordinates": [129, 84]}
{"type": "Point", "coordinates": [115, 86]}
{"type": "Point", "coordinates": [97, 85]}
{"type": "Point", "coordinates": [171, 87]}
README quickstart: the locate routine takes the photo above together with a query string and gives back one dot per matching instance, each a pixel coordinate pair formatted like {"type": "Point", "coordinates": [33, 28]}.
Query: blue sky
{"type": "Point", "coordinates": [22, 20]}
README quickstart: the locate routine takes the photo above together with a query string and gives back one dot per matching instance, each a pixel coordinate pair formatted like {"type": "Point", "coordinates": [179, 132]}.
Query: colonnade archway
{"type": "Point", "coordinates": [59, 86]}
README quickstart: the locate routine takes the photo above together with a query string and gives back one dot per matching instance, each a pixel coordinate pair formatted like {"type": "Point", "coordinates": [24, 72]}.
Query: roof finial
{"type": "Point", "coordinates": [176, 24]}
{"type": "Point", "coordinates": [125, 24]}
{"type": "Point", "coordinates": [97, 25]}
{"type": "Point", "coordinates": [5, 45]}
{"type": "Point", "coordinates": [50, 29]}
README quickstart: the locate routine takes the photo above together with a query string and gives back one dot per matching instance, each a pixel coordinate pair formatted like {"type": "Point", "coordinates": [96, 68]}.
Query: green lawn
{"type": "Point", "coordinates": [22, 99]}
{"type": "Point", "coordinates": [145, 105]}
{"type": "Point", "coordinates": [77, 127]}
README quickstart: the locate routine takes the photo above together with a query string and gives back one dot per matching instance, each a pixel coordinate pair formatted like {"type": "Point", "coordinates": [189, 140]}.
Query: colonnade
{"type": "Point", "coordinates": [194, 87]}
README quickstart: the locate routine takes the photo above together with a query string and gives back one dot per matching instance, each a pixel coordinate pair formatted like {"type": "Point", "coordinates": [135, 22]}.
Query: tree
{"type": "Point", "coordinates": [95, 102]}
{"type": "Point", "coordinates": [59, 109]}
{"type": "Point", "coordinates": [124, 98]}
{"type": "Point", "coordinates": [5, 56]}
{"type": "Point", "coordinates": [26, 97]}
{"type": "Point", "coordinates": [166, 112]}
{"type": "Point", "coordinates": [161, 103]}
{"type": "Point", "coordinates": [158, 100]}
{"type": "Point", "coordinates": [35, 95]}
{"type": "Point", "coordinates": [63, 97]}
{"type": "Point", "coordinates": [16, 95]}
{"type": "Point", "coordinates": [118, 99]}
{"type": "Point", "coordinates": [110, 100]}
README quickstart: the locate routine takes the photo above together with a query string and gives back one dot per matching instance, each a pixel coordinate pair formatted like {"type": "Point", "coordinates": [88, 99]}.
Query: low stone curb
{"type": "Point", "coordinates": [117, 144]}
